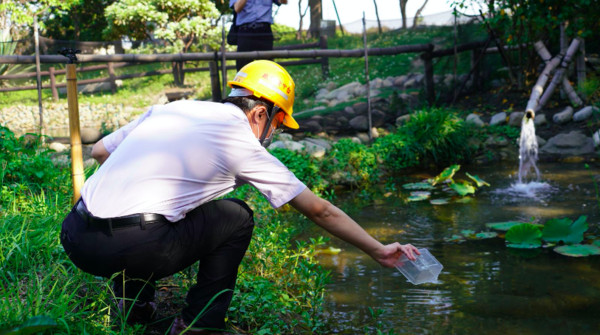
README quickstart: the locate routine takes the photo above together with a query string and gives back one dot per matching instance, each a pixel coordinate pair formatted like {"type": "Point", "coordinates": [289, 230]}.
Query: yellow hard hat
{"type": "Point", "coordinates": [268, 80]}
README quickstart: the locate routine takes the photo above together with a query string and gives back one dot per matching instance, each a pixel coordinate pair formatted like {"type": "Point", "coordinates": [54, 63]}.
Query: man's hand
{"type": "Point", "coordinates": [388, 255]}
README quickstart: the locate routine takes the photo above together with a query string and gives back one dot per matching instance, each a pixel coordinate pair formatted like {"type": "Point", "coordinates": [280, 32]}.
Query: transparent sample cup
{"type": "Point", "coordinates": [425, 269]}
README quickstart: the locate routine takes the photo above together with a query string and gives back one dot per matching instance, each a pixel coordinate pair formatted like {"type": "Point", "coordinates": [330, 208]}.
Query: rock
{"type": "Point", "coordinates": [360, 108]}
{"type": "Point", "coordinates": [364, 137]}
{"type": "Point", "coordinates": [319, 141]}
{"type": "Point", "coordinates": [515, 118]}
{"type": "Point", "coordinates": [284, 137]}
{"type": "Point", "coordinates": [360, 123]}
{"type": "Point", "coordinates": [596, 138]}
{"type": "Point", "coordinates": [563, 117]}
{"type": "Point", "coordinates": [584, 113]}
{"type": "Point", "coordinates": [90, 135]}
{"type": "Point", "coordinates": [496, 141]}
{"type": "Point", "coordinates": [330, 86]}
{"type": "Point", "coordinates": [540, 141]}
{"type": "Point", "coordinates": [402, 120]}
{"type": "Point", "coordinates": [311, 126]}
{"type": "Point", "coordinates": [58, 147]}
{"type": "Point", "coordinates": [475, 119]}
{"type": "Point", "coordinates": [540, 120]}
{"type": "Point", "coordinates": [313, 149]}
{"type": "Point", "coordinates": [569, 144]}
{"type": "Point", "coordinates": [399, 81]}
{"type": "Point", "coordinates": [498, 119]}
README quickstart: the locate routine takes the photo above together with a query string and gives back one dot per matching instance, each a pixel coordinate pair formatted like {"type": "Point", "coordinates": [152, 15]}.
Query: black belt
{"type": "Point", "coordinates": [254, 25]}
{"type": "Point", "coordinates": [119, 222]}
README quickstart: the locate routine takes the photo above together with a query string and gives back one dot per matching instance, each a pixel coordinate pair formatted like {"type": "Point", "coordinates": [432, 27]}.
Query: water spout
{"type": "Point", "coordinates": [528, 147]}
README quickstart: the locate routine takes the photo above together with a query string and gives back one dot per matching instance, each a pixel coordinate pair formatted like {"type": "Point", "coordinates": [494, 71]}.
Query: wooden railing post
{"type": "Point", "coordinates": [112, 76]}
{"type": "Point", "coordinates": [214, 80]}
{"type": "Point", "coordinates": [53, 83]}
{"type": "Point", "coordinates": [324, 60]}
{"type": "Point", "coordinates": [178, 74]}
{"type": "Point", "coordinates": [429, 83]}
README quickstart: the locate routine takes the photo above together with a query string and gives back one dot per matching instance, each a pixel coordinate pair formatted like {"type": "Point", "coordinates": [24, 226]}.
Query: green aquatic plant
{"type": "Point", "coordinates": [424, 190]}
{"type": "Point", "coordinates": [565, 236]}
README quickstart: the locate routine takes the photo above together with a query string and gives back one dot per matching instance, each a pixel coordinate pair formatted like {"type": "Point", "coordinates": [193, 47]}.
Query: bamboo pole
{"type": "Point", "coordinates": [538, 88]}
{"type": "Point", "coordinates": [541, 50]}
{"type": "Point", "coordinates": [76, 151]}
{"type": "Point", "coordinates": [560, 72]}
{"type": "Point", "coordinates": [223, 60]}
{"type": "Point", "coordinates": [38, 75]}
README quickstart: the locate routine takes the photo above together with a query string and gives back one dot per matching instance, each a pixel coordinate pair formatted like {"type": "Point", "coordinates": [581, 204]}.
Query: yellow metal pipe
{"type": "Point", "coordinates": [76, 150]}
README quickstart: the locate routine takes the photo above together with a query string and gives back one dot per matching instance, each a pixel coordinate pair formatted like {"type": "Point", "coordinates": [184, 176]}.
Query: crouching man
{"type": "Point", "coordinates": [149, 211]}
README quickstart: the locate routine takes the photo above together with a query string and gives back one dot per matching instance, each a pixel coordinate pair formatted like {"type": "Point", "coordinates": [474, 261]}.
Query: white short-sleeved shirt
{"type": "Point", "coordinates": [178, 156]}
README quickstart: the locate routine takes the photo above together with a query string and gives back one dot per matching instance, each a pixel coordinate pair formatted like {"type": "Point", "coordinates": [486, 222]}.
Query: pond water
{"type": "Point", "coordinates": [485, 287]}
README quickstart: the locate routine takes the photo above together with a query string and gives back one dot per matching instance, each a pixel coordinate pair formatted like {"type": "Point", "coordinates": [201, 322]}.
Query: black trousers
{"type": "Point", "coordinates": [259, 38]}
{"type": "Point", "coordinates": [216, 234]}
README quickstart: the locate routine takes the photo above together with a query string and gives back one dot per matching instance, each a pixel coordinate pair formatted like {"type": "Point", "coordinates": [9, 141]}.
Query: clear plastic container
{"type": "Point", "coordinates": [425, 269]}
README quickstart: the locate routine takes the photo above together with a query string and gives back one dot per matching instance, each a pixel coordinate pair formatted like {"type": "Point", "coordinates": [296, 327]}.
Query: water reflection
{"type": "Point", "coordinates": [484, 287]}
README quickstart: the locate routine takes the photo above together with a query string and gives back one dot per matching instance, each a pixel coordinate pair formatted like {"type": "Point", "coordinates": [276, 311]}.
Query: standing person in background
{"type": "Point", "coordinates": [254, 19]}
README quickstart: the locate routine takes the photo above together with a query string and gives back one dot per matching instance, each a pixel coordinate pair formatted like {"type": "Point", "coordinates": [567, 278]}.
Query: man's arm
{"type": "Point", "coordinates": [338, 223]}
{"type": "Point", "coordinates": [239, 5]}
{"type": "Point", "coordinates": [99, 152]}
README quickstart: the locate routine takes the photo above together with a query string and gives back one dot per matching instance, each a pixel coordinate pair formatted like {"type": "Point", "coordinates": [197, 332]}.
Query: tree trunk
{"type": "Point", "coordinates": [417, 14]}
{"type": "Point", "coordinates": [316, 15]}
{"type": "Point", "coordinates": [403, 12]}
{"type": "Point", "coordinates": [377, 15]}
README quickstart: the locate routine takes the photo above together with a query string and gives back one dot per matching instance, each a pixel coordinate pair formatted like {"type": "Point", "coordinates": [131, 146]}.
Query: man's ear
{"type": "Point", "coordinates": [259, 113]}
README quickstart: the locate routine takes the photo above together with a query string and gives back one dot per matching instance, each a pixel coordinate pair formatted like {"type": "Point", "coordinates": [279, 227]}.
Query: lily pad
{"type": "Point", "coordinates": [524, 236]}
{"type": "Point", "coordinates": [463, 187]}
{"type": "Point", "coordinates": [447, 174]}
{"type": "Point", "coordinates": [455, 238]}
{"type": "Point", "coordinates": [418, 186]}
{"type": "Point", "coordinates": [556, 230]}
{"type": "Point", "coordinates": [596, 243]}
{"type": "Point", "coordinates": [443, 201]}
{"type": "Point", "coordinates": [485, 235]}
{"type": "Point", "coordinates": [503, 226]}
{"type": "Point", "coordinates": [419, 195]}
{"type": "Point", "coordinates": [477, 180]}
{"type": "Point", "coordinates": [578, 250]}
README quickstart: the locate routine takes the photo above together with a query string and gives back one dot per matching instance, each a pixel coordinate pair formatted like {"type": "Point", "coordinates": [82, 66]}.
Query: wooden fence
{"type": "Point", "coordinates": [312, 56]}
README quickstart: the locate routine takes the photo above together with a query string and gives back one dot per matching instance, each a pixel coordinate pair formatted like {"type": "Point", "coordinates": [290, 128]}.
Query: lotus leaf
{"type": "Point", "coordinates": [556, 230]}
{"type": "Point", "coordinates": [524, 236]}
{"type": "Point", "coordinates": [503, 226]}
{"type": "Point", "coordinates": [419, 195]}
{"type": "Point", "coordinates": [444, 201]}
{"type": "Point", "coordinates": [485, 235]}
{"type": "Point", "coordinates": [467, 232]}
{"type": "Point", "coordinates": [464, 200]}
{"type": "Point", "coordinates": [578, 250]}
{"type": "Point", "coordinates": [596, 243]}
{"type": "Point", "coordinates": [463, 188]}
{"type": "Point", "coordinates": [477, 180]}
{"type": "Point", "coordinates": [455, 238]}
{"type": "Point", "coordinates": [418, 186]}
{"type": "Point", "coordinates": [447, 174]}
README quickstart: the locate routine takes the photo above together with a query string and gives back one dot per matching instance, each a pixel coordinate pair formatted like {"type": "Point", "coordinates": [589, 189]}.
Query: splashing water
{"type": "Point", "coordinates": [528, 149]}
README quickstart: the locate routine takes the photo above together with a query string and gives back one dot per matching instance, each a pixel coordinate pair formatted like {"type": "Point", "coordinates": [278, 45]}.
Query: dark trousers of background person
{"type": "Point", "coordinates": [253, 37]}
{"type": "Point", "coordinates": [217, 234]}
